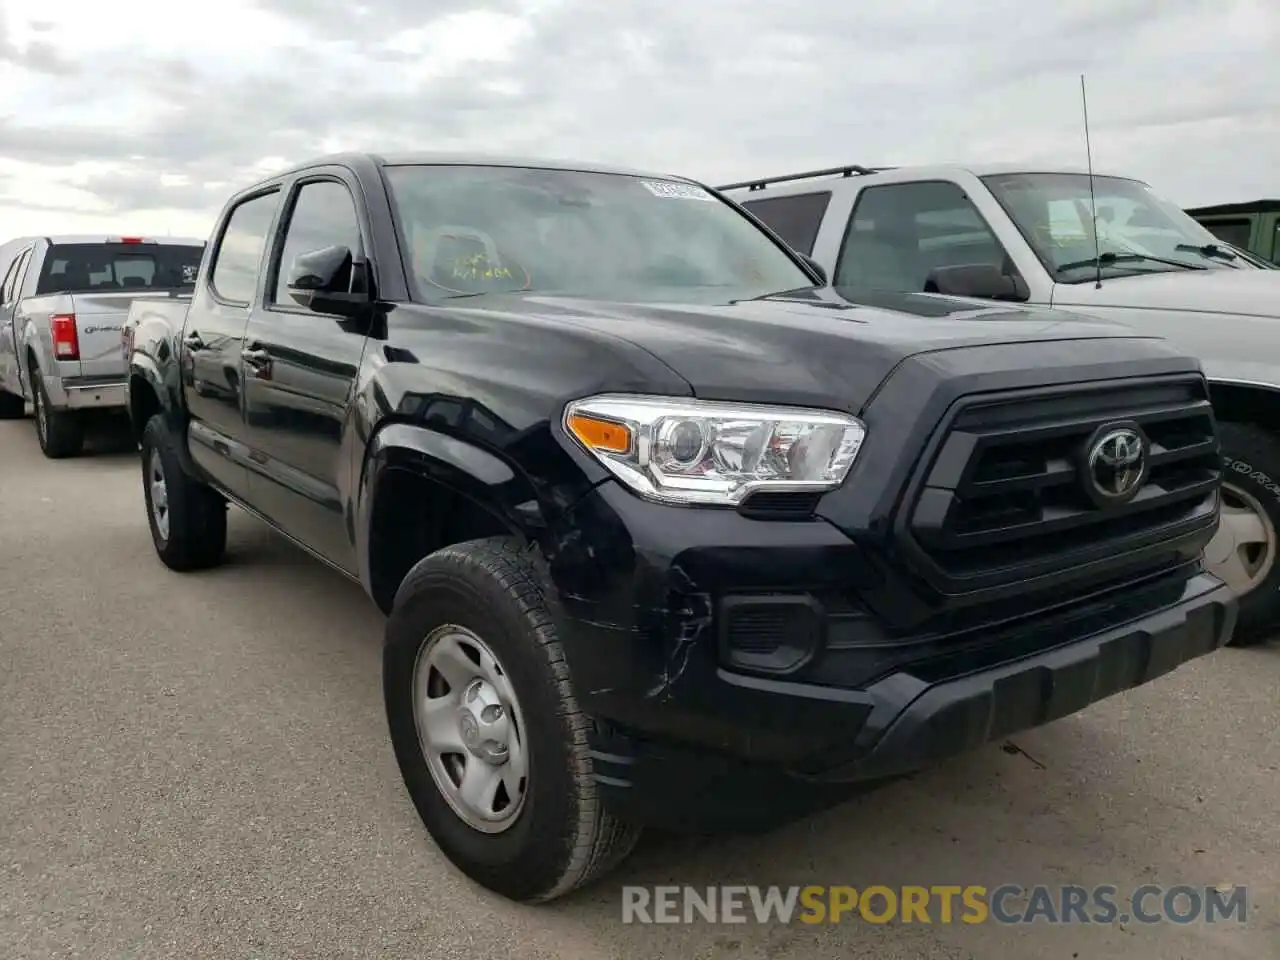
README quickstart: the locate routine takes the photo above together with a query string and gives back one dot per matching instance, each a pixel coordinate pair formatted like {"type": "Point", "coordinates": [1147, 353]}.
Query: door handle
{"type": "Point", "coordinates": [193, 341]}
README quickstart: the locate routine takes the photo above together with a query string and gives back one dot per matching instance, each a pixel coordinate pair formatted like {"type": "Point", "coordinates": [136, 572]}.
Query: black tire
{"type": "Point", "coordinates": [60, 432]}
{"type": "Point", "coordinates": [563, 837]}
{"type": "Point", "coordinates": [12, 407]}
{"type": "Point", "coordinates": [197, 514]}
{"type": "Point", "coordinates": [1251, 478]}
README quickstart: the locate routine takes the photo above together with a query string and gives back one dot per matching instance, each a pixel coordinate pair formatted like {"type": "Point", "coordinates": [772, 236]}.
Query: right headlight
{"type": "Point", "coordinates": [702, 452]}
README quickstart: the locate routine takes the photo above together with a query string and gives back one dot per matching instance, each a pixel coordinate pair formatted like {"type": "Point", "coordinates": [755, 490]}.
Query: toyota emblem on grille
{"type": "Point", "coordinates": [1116, 464]}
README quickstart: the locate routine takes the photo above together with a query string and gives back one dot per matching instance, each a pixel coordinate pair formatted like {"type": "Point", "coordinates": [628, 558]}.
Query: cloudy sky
{"type": "Point", "coordinates": [141, 115]}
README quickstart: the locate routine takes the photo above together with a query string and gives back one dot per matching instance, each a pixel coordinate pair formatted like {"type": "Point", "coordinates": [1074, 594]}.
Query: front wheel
{"type": "Point", "coordinates": [1243, 551]}
{"type": "Point", "coordinates": [486, 729]}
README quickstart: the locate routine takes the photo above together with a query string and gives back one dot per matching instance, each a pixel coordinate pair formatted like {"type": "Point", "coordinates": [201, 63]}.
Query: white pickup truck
{"type": "Point", "coordinates": [1027, 235]}
{"type": "Point", "coordinates": [63, 301]}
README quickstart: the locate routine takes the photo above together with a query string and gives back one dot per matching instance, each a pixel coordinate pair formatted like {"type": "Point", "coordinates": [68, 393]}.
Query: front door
{"type": "Point", "coordinates": [300, 372]}
{"type": "Point", "coordinates": [213, 341]}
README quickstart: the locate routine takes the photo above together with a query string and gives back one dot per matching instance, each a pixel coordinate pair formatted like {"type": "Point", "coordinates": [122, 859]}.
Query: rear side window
{"type": "Point", "coordinates": [1236, 232]}
{"type": "Point", "coordinates": [108, 267]}
{"type": "Point", "coordinates": [9, 290]}
{"type": "Point", "coordinates": [795, 219]}
{"type": "Point", "coordinates": [239, 255]}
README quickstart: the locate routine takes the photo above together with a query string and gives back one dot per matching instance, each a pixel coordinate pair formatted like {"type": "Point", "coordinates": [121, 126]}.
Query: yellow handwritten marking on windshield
{"type": "Point", "coordinates": [478, 267]}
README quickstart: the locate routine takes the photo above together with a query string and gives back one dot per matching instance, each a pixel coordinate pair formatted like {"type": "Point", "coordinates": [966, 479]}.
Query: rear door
{"type": "Point", "coordinates": [103, 278]}
{"type": "Point", "coordinates": [300, 374]}
{"type": "Point", "coordinates": [10, 361]}
{"type": "Point", "coordinates": [213, 338]}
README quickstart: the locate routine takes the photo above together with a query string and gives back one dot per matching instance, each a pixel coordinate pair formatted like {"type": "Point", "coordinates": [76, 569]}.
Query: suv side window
{"type": "Point", "coordinates": [239, 254]}
{"type": "Point", "coordinates": [795, 219]}
{"type": "Point", "coordinates": [324, 215]}
{"type": "Point", "coordinates": [899, 233]}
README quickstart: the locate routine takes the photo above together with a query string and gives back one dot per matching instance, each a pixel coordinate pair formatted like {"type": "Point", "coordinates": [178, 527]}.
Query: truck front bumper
{"type": "Point", "coordinates": [683, 735]}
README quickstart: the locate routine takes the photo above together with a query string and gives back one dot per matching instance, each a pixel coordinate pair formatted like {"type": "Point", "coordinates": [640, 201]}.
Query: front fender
{"type": "Point", "coordinates": [1242, 373]}
{"type": "Point", "coordinates": [496, 482]}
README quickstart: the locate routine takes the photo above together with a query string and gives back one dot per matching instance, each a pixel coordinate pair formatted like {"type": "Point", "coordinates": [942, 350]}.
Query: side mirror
{"type": "Point", "coordinates": [816, 267]}
{"type": "Point", "coordinates": [328, 281]}
{"type": "Point", "coordinates": [981, 280]}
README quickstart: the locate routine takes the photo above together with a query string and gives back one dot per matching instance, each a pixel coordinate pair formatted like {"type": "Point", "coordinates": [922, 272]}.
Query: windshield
{"type": "Point", "coordinates": [107, 267]}
{"type": "Point", "coordinates": [1052, 211]}
{"type": "Point", "coordinates": [471, 230]}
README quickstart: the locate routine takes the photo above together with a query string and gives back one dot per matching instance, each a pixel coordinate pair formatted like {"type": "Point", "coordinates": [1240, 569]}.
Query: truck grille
{"type": "Point", "coordinates": [1007, 496]}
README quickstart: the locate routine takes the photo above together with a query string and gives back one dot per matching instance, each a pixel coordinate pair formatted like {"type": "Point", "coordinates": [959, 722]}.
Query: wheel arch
{"type": "Point", "coordinates": [1240, 401]}
{"type": "Point", "coordinates": [421, 490]}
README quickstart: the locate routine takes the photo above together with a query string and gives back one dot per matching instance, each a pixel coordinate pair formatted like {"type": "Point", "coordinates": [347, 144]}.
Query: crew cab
{"type": "Point", "coordinates": [63, 301]}
{"type": "Point", "coordinates": [665, 532]}
{"type": "Point", "coordinates": [1015, 234]}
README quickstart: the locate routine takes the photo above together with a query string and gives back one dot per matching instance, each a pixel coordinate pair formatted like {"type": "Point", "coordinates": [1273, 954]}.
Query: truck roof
{"type": "Point", "coordinates": [103, 238]}
{"type": "Point", "coordinates": [427, 158]}
{"type": "Point", "coordinates": [1248, 206]}
{"type": "Point", "coordinates": [923, 171]}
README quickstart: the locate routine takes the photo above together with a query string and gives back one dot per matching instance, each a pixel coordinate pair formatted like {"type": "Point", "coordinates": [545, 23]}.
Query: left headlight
{"type": "Point", "coordinates": [713, 453]}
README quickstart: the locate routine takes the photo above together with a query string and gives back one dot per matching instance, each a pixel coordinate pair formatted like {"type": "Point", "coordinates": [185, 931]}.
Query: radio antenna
{"type": "Point", "coordinates": [1093, 204]}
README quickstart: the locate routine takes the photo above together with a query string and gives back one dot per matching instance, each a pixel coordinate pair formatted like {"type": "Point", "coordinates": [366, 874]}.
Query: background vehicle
{"type": "Point", "coordinates": [665, 533]}
{"type": "Point", "coordinates": [62, 303]}
{"type": "Point", "coordinates": [1254, 226]}
{"type": "Point", "coordinates": [1026, 236]}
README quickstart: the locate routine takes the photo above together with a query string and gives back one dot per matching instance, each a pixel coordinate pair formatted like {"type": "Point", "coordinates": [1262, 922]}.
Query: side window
{"type": "Point", "coordinates": [1235, 232]}
{"type": "Point", "coordinates": [1275, 245]}
{"type": "Point", "coordinates": [324, 215]}
{"type": "Point", "coordinates": [19, 276]}
{"type": "Point", "coordinates": [795, 219]}
{"type": "Point", "coordinates": [10, 278]}
{"type": "Point", "coordinates": [239, 254]}
{"type": "Point", "coordinates": [900, 233]}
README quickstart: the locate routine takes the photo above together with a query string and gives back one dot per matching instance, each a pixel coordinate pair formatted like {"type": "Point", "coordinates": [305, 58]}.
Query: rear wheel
{"type": "Point", "coordinates": [61, 433]}
{"type": "Point", "coordinates": [486, 728]}
{"type": "Point", "coordinates": [188, 519]}
{"type": "Point", "coordinates": [11, 407]}
{"type": "Point", "coordinates": [1243, 552]}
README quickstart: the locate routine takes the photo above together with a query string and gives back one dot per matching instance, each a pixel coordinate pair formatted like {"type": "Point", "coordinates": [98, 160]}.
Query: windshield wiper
{"type": "Point", "coordinates": [1111, 257]}
{"type": "Point", "coordinates": [777, 293]}
{"type": "Point", "coordinates": [1208, 250]}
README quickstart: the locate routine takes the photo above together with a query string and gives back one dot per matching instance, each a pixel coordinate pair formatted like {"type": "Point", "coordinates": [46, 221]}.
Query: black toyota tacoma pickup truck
{"type": "Point", "coordinates": [666, 530]}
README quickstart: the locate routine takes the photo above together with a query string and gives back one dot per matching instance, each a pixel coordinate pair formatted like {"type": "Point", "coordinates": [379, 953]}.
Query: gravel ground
{"type": "Point", "coordinates": [197, 767]}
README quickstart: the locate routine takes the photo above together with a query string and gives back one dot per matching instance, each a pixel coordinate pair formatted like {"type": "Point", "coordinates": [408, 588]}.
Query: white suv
{"type": "Point", "coordinates": [1028, 236]}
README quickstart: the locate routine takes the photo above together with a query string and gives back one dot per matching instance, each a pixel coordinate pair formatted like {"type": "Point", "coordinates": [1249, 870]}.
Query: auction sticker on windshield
{"type": "Point", "coordinates": [677, 191]}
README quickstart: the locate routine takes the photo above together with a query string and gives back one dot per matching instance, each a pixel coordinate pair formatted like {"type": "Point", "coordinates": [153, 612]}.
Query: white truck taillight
{"type": "Point", "coordinates": [66, 341]}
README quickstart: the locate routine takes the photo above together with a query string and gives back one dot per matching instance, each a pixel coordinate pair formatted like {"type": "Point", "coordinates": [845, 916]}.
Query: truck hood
{"type": "Point", "coordinates": [819, 348]}
{"type": "Point", "coordinates": [1250, 293]}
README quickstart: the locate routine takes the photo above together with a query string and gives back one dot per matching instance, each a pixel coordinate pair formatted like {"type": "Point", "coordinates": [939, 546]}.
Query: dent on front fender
{"type": "Point", "coordinates": [526, 483]}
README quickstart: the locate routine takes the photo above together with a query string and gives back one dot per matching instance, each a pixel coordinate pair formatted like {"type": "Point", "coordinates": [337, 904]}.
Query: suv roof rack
{"type": "Point", "coordinates": [848, 170]}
